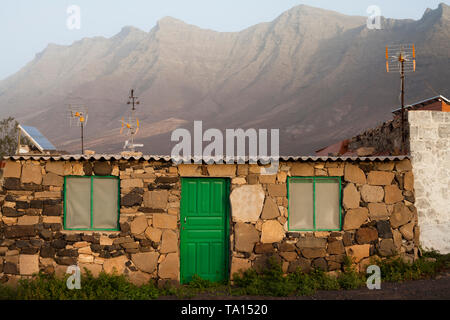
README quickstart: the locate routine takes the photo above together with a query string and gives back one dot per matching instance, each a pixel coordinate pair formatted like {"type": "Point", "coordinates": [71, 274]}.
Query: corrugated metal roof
{"type": "Point", "coordinates": [116, 157]}
{"type": "Point", "coordinates": [426, 101]}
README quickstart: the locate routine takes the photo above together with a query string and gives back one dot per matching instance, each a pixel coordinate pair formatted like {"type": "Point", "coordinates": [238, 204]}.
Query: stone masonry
{"type": "Point", "coordinates": [379, 217]}
{"type": "Point", "coordinates": [386, 138]}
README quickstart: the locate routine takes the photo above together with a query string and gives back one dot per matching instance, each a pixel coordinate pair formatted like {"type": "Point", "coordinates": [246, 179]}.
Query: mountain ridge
{"type": "Point", "coordinates": [270, 75]}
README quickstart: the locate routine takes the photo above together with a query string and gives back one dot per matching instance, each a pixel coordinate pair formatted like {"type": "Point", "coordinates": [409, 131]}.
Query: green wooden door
{"type": "Point", "coordinates": [204, 228]}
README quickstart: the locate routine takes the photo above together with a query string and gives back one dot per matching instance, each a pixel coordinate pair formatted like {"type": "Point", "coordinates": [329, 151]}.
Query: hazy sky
{"type": "Point", "coordinates": [27, 26]}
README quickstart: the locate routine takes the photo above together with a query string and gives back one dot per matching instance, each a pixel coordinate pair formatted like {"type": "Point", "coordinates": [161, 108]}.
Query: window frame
{"type": "Point", "coordinates": [91, 203]}
{"type": "Point", "coordinates": [314, 179]}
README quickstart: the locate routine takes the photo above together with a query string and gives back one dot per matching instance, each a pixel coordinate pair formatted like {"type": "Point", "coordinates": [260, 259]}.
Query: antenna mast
{"type": "Point", "coordinates": [401, 58]}
{"type": "Point", "coordinates": [132, 123]}
{"type": "Point", "coordinates": [78, 116]}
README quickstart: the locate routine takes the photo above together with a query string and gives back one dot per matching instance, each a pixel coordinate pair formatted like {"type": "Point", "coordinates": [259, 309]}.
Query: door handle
{"type": "Point", "coordinates": [184, 219]}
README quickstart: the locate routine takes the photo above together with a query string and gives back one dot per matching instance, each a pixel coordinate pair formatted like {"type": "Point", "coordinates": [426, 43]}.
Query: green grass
{"type": "Point", "coordinates": [104, 287]}
{"type": "Point", "coordinates": [270, 282]}
{"type": "Point", "coordinates": [396, 270]}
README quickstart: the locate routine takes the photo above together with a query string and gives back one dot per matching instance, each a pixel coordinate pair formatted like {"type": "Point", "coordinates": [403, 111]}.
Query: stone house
{"type": "Point", "coordinates": [148, 217]}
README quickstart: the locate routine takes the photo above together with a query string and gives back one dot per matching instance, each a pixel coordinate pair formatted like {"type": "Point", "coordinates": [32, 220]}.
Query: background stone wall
{"type": "Point", "coordinates": [430, 151]}
{"type": "Point", "coordinates": [386, 138]}
{"type": "Point", "coordinates": [379, 218]}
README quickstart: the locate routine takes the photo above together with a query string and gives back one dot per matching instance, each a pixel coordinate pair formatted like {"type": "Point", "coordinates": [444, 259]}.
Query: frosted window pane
{"type": "Point", "coordinates": [301, 204]}
{"type": "Point", "coordinates": [78, 207]}
{"type": "Point", "coordinates": [327, 204]}
{"type": "Point", "coordinates": [104, 206]}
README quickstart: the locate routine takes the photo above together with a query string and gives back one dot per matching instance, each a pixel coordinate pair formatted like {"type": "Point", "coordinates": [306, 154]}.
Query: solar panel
{"type": "Point", "coordinates": [37, 138]}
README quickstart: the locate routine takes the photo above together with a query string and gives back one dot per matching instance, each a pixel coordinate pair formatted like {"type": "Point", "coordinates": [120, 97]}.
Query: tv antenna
{"type": "Point", "coordinates": [131, 124]}
{"type": "Point", "coordinates": [78, 116]}
{"type": "Point", "coordinates": [401, 58]}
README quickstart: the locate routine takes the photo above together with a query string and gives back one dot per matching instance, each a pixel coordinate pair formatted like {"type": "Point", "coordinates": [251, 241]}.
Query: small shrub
{"type": "Point", "coordinates": [105, 287]}
{"type": "Point", "coordinates": [396, 269]}
{"type": "Point", "coordinates": [198, 283]}
{"type": "Point", "coordinates": [350, 278]}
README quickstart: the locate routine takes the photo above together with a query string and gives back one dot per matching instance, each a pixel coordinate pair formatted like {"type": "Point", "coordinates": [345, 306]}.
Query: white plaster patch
{"type": "Point", "coordinates": [430, 145]}
{"type": "Point", "coordinates": [246, 203]}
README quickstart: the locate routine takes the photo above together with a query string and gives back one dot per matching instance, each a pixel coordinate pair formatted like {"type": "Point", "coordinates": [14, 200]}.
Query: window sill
{"type": "Point", "coordinates": [90, 232]}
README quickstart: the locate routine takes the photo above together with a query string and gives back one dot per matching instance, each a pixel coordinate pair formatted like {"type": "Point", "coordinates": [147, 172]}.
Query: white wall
{"type": "Point", "coordinates": [430, 151]}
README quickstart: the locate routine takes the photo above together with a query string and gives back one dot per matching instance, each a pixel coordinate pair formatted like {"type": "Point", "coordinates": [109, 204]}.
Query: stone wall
{"type": "Point", "coordinates": [386, 138]}
{"type": "Point", "coordinates": [430, 151]}
{"type": "Point", "coordinates": [379, 217]}
{"type": "Point", "coordinates": [31, 229]}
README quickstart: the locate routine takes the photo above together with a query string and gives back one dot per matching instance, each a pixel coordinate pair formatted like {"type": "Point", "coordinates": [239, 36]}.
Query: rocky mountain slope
{"type": "Point", "coordinates": [317, 75]}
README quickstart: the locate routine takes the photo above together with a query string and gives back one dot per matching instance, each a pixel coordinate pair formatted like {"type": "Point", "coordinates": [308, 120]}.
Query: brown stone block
{"type": "Point", "coordinates": [351, 197]}
{"type": "Point", "coordinates": [139, 224]}
{"type": "Point", "coordinates": [270, 209]}
{"type": "Point", "coordinates": [169, 242]}
{"type": "Point", "coordinates": [404, 165]}
{"type": "Point", "coordinates": [358, 252]}
{"type": "Point", "coordinates": [264, 248]}
{"type": "Point", "coordinates": [366, 235]}
{"type": "Point", "coordinates": [164, 221]}
{"type": "Point", "coordinates": [169, 268]}
{"type": "Point", "coordinates": [380, 178]}
{"type": "Point", "coordinates": [31, 173]}
{"type": "Point", "coordinates": [378, 211]}
{"type": "Point", "coordinates": [222, 170]}
{"type": "Point", "coordinates": [353, 173]}
{"type": "Point", "coordinates": [117, 264]}
{"type": "Point", "coordinates": [335, 172]}
{"type": "Point", "coordinates": [277, 190]}
{"type": "Point", "coordinates": [60, 168]}
{"type": "Point", "coordinates": [312, 253]}
{"type": "Point", "coordinates": [265, 178]}
{"type": "Point", "coordinates": [384, 166]}
{"type": "Point", "coordinates": [157, 199]}
{"type": "Point", "coordinates": [392, 194]}
{"type": "Point", "coordinates": [245, 237]}
{"type": "Point", "coordinates": [12, 169]}
{"type": "Point", "coordinates": [407, 230]}
{"type": "Point", "coordinates": [387, 248]}
{"type": "Point", "coordinates": [289, 256]}
{"type": "Point", "coordinates": [336, 247]}
{"type": "Point", "coordinates": [242, 169]}
{"type": "Point", "coordinates": [354, 218]}
{"type": "Point", "coordinates": [102, 168]}
{"type": "Point", "coordinates": [372, 193]}
{"type": "Point", "coordinates": [286, 247]}
{"type": "Point", "coordinates": [302, 169]}
{"type": "Point", "coordinates": [408, 183]}
{"type": "Point", "coordinates": [239, 265]}
{"type": "Point", "coordinates": [272, 231]}
{"type": "Point", "coordinates": [312, 242]}
{"type": "Point", "coordinates": [51, 179]}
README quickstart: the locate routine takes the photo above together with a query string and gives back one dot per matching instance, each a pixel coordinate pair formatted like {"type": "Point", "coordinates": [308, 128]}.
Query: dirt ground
{"type": "Point", "coordinates": [427, 289]}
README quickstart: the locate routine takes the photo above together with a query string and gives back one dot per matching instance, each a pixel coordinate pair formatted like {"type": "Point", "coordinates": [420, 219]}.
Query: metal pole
{"type": "Point", "coordinates": [18, 143]}
{"type": "Point", "coordinates": [403, 106]}
{"type": "Point", "coordinates": [82, 145]}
